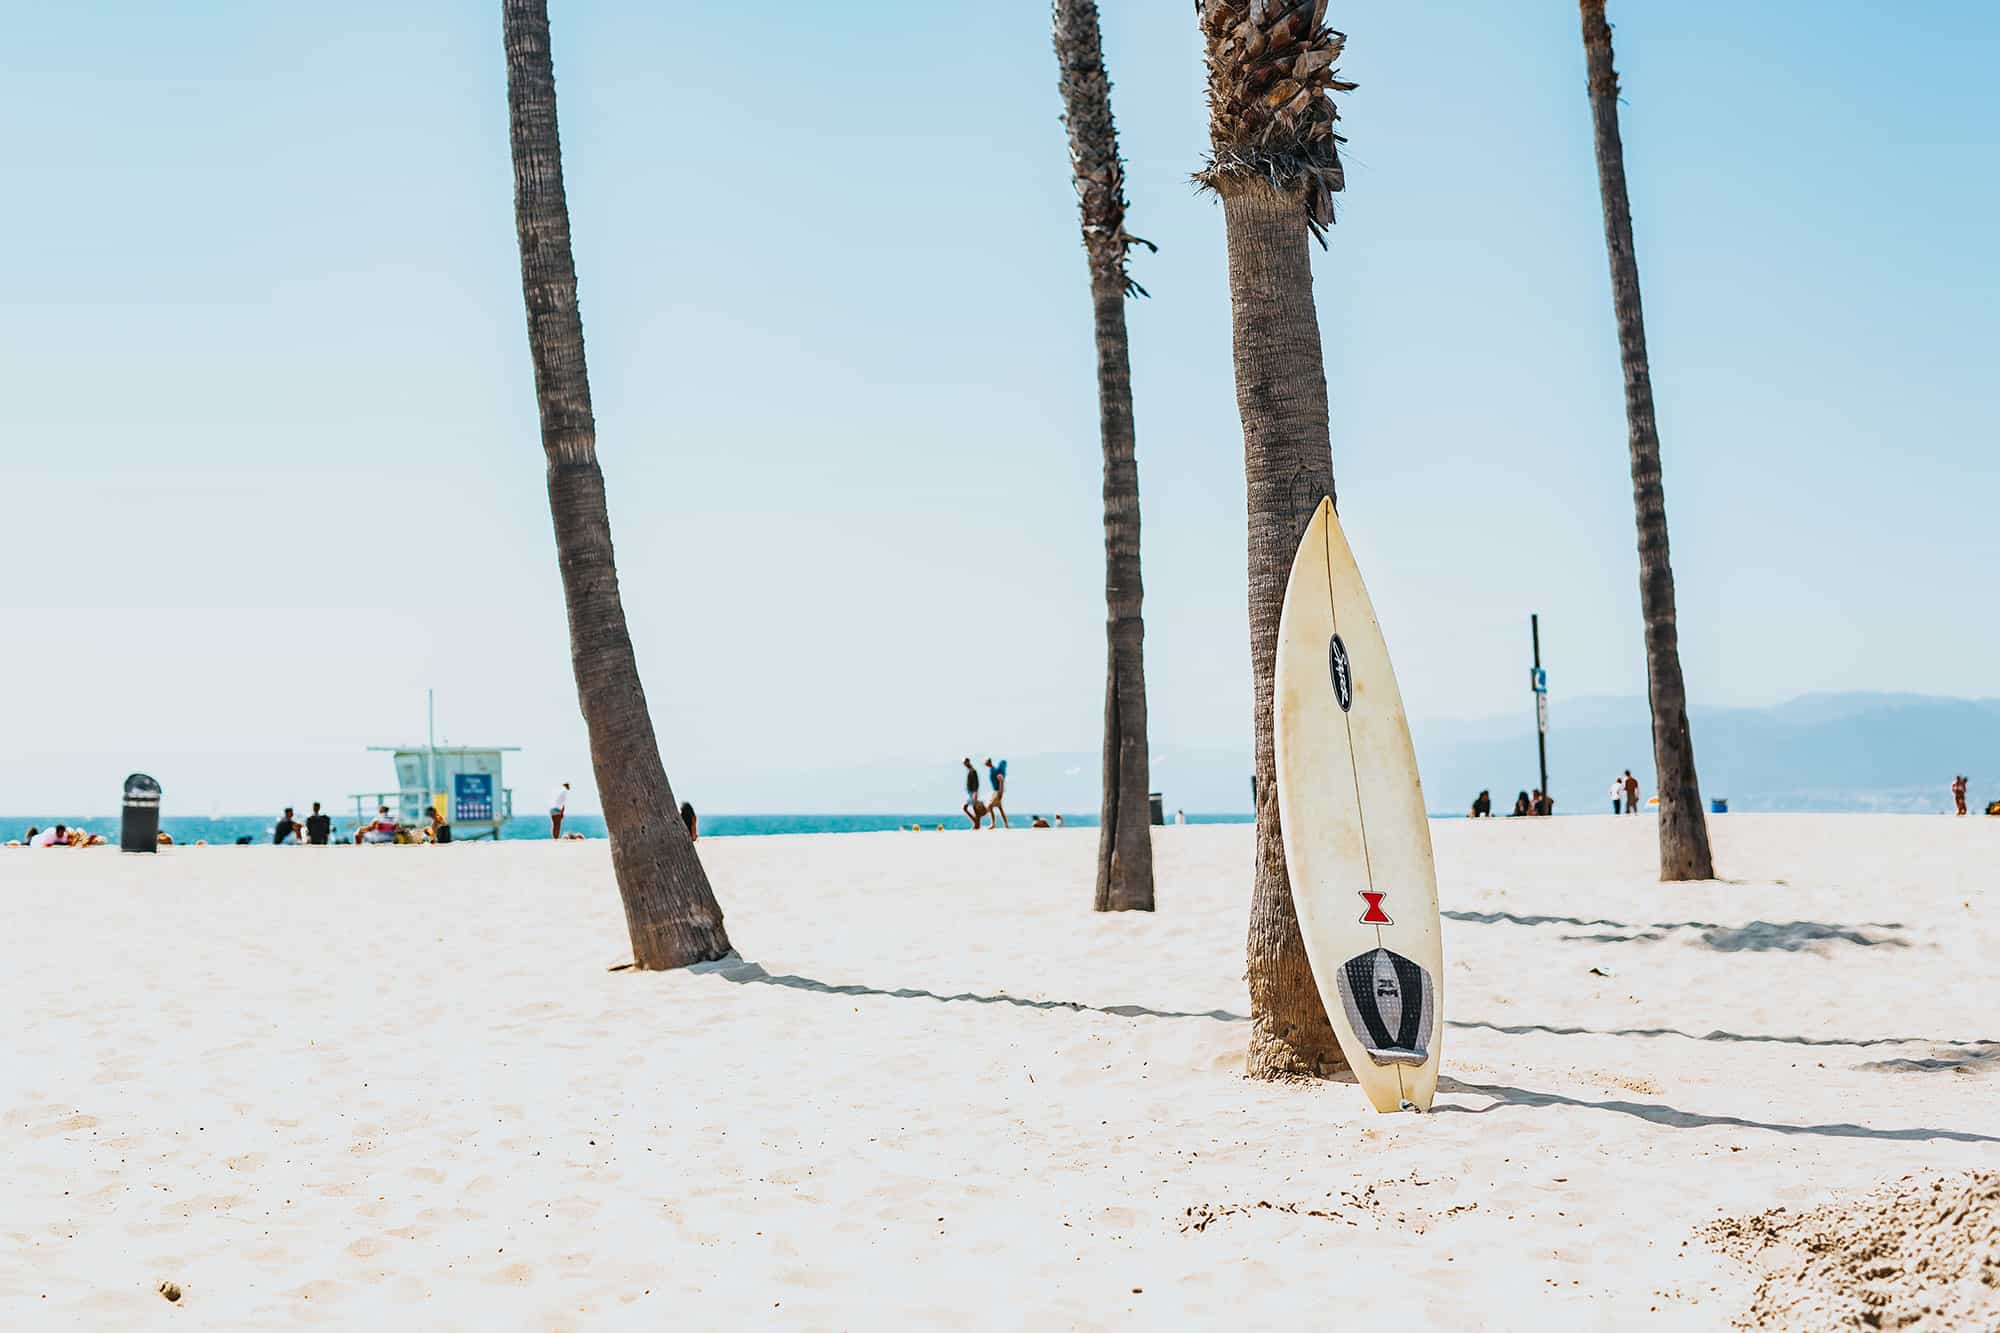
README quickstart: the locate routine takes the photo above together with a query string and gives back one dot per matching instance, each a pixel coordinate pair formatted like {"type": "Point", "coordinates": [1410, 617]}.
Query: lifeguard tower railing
{"type": "Point", "coordinates": [461, 782]}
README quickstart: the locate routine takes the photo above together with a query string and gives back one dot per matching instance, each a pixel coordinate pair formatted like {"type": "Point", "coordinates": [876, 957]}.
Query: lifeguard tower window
{"type": "Point", "coordinates": [462, 782]}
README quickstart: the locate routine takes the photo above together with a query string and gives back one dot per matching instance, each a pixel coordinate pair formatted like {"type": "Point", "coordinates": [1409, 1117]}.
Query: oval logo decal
{"type": "Point", "coordinates": [1343, 676]}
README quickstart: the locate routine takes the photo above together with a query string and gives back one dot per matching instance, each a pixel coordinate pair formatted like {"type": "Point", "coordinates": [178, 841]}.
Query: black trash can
{"type": "Point", "coordinates": [1159, 806]}
{"type": "Point", "coordinates": [139, 831]}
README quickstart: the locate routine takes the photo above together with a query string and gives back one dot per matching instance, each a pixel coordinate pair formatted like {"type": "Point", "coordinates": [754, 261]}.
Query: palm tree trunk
{"type": "Point", "coordinates": [1684, 852]}
{"type": "Point", "coordinates": [1288, 467]}
{"type": "Point", "coordinates": [1124, 839]}
{"type": "Point", "coordinates": [1275, 161]}
{"type": "Point", "coordinates": [670, 911]}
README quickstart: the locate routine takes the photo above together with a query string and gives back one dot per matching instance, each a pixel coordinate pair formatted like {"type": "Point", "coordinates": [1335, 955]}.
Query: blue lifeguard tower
{"type": "Point", "coordinates": [462, 782]}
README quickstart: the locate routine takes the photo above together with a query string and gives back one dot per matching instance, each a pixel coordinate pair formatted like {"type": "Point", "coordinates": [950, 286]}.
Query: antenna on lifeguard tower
{"type": "Point", "coordinates": [430, 743]}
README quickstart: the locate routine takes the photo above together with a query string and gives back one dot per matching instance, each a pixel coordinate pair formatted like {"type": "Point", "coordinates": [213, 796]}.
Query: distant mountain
{"type": "Point", "coordinates": [1821, 752]}
{"type": "Point", "coordinates": [1830, 752]}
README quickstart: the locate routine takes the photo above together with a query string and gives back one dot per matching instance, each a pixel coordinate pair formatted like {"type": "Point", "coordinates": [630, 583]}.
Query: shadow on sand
{"type": "Point", "coordinates": [1675, 1118]}
{"type": "Point", "coordinates": [1756, 937]}
{"type": "Point", "coordinates": [750, 974]}
{"type": "Point", "coordinates": [1525, 1029]}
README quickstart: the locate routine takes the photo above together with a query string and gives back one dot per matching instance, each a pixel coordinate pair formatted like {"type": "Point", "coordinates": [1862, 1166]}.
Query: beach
{"type": "Point", "coordinates": [402, 1084]}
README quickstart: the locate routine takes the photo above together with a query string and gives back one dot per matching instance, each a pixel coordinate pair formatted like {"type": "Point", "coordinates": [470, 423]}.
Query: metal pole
{"type": "Point", "coordinates": [1541, 735]}
{"type": "Point", "coordinates": [430, 749]}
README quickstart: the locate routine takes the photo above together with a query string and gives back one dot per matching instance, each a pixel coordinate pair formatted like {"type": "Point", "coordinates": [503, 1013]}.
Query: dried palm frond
{"type": "Point", "coordinates": [1271, 80]}
{"type": "Point", "coordinates": [1097, 172]}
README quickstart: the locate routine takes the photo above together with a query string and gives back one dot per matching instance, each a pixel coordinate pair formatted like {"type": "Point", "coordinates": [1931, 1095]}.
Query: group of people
{"type": "Point", "coordinates": [58, 835]}
{"type": "Point", "coordinates": [316, 828]}
{"type": "Point", "coordinates": [993, 806]}
{"type": "Point", "coordinates": [1624, 798]}
{"type": "Point", "coordinates": [1541, 803]}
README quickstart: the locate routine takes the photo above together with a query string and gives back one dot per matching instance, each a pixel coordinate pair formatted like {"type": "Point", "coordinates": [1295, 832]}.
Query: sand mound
{"type": "Point", "coordinates": [1923, 1253]}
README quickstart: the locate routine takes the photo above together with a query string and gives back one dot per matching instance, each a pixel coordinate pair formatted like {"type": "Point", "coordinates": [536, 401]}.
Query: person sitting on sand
{"type": "Point", "coordinates": [1544, 804]}
{"type": "Point", "coordinates": [1482, 806]}
{"type": "Point", "coordinates": [975, 809]}
{"type": "Point", "coordinates": [58, 836]}
{"type": "Point", "coordinates": [1038, 822]}
{"type": "Point", "coordinates": [380, 829]}
{"type": "Point", "coordinates": [996, 777]}
{"type": "Point", "coordinates": [692, 820]}
{"type": "Point", "coordinates": [439, 831]}
{"type": "Point", "coordinates": [319, 827]}
{"type": "Point", "coordinates": [1522, 806]}
{"type": "Point", "coordinates": [286, 830]}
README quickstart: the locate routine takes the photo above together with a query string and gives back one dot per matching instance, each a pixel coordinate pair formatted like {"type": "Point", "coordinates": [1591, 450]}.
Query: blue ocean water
{"type": "Point", "coordinates": [224, 830]}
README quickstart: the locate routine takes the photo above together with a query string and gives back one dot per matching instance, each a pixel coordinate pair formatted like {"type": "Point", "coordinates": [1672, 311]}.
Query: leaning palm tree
{"type": "Point", "coordinates": [670, 911]}
{"type": "Point", "coordinates": [1684, 850]}
{"type": "Point", "coordinates": [1124, 838]}
{"type": "Point", "coordinates": [1275, 163]}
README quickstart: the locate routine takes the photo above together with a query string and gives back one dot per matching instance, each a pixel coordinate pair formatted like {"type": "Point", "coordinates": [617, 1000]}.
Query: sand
{"type": "Point", "coordinates": [329, 1086]}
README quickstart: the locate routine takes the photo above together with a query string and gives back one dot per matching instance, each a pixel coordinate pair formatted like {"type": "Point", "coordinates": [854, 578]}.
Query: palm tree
{"type": "Point", "coordinates": [1124, 839]}
{"type": "Point", "coordinates": [1275, 163]}
{"type": "Point", "coordinates": [1684, 850]}
{"type": "Point", "coordinates": [670, 911]}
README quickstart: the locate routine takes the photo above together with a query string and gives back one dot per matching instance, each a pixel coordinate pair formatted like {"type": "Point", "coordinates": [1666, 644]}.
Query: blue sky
{"type": "Point", "coordinates": [271, 454]}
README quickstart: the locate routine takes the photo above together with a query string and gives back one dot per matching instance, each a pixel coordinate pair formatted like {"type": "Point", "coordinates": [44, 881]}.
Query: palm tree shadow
{"type": "Point", "coordinates": [1756, 937]}
{"type": "Point", "coordinates": [1674, 1118]}
{"type": "Point", "coordinates": [1524, 1029]}
{"type": "Point", "coordinates": [744, 973]}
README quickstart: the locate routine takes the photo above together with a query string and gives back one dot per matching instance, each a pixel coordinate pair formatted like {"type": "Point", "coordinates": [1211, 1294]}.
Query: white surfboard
{"type": "Point", "coordinates": [1357, 844]}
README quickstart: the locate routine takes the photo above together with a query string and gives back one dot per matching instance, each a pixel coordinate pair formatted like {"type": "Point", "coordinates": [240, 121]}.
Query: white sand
{"type": "Point", "coordinates": [399, 1084]}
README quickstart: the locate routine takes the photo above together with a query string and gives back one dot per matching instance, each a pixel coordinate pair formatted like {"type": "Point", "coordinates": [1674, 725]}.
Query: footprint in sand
{"type": "Point", "coordinates": [69, 1124]}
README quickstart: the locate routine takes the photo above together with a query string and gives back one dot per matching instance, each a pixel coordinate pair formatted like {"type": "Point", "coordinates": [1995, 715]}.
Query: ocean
{"type": "Point", "coordinates": [226, 830]}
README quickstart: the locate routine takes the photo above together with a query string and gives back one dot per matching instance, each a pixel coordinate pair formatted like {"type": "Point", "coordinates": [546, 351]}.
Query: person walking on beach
{"type": "Point", "coordinates": [557, 805]}
{"type": "Point", "coordinates": [996, 777]}
{"type": "Point", "coordinates": [286, 830]}
{"type": "Point", "coordinates": [1958, 785]}
{"type": "Point", "coordinates": [975, 809]}
{"type": "Point", "coordinates": [319, 827]}
{"type": "Point", "coordinates": [1631, 793]}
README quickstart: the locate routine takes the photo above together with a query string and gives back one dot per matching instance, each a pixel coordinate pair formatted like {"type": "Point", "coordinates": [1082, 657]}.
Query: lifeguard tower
{"type": "Point", "coordinates": [461, 782]}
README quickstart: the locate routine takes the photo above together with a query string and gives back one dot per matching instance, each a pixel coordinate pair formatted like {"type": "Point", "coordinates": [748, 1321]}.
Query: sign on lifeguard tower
{"type": "Point", "coordinates": [471, 798]}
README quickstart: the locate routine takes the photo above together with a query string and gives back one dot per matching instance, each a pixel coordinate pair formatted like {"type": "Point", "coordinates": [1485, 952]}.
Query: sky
{"type": "Point", "coordinates": [271, 464]}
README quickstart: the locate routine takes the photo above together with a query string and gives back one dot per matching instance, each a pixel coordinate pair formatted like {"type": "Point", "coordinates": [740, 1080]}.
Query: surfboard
{"type": "Point", "coordinates": [1357, 844]}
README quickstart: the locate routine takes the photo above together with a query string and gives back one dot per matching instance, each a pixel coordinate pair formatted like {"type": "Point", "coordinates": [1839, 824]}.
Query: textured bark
{"type": "Point", "coordinates": [1684, 852]}
{"type": "Point", "coordinates": [1287, 468]}
{"type": "Point", "coordinates": [670, 911]}
{"type": "Point", "coordinates": [1125, 835]}
{"type": "Point", "coordinates": [1274, 158]}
